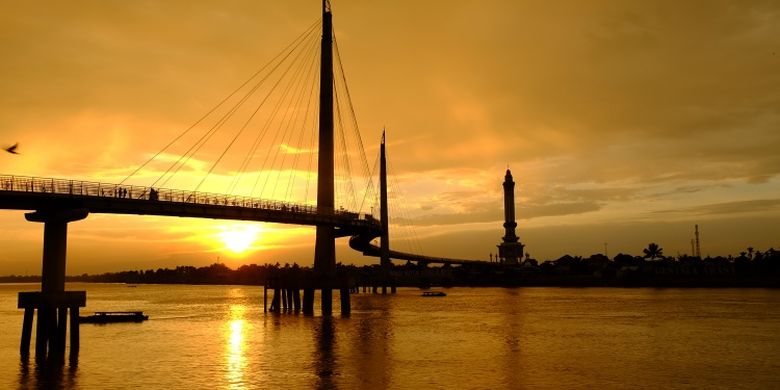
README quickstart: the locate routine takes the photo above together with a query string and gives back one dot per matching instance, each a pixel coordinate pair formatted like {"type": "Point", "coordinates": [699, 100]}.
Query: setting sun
{"type": "Point", "coordinates": [239, 239]}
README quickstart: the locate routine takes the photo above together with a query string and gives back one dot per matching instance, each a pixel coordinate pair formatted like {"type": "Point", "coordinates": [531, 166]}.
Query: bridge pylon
{"type": "Point", "coordinates": [325, 244]}
{"type": "Point", "coordinates": [384, 243]}
{"type": "Point", "coordinates": [52, 302]}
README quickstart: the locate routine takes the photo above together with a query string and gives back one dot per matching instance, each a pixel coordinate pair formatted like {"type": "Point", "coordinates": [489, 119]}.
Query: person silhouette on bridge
{"type": "Point", "coordinates": [153, 194]}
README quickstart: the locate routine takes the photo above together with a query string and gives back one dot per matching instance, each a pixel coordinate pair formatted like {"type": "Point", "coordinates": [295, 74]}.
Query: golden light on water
{"type": "Point", "coordinates": [235, 332]}
{"type": "Point", "coordinates": [236, 335]}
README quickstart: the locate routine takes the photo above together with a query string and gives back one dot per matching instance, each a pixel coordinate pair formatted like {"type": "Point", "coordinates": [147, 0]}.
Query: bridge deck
{"type": "Point", "coordinates": [35, 193]}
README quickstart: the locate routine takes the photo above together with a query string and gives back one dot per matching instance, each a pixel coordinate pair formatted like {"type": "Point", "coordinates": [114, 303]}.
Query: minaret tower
{"type": "Point", "coordinates": [510, 251]}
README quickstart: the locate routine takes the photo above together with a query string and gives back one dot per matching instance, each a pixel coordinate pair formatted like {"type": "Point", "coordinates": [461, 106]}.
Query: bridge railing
{"type": "Point", "coordinates": [120, 191]}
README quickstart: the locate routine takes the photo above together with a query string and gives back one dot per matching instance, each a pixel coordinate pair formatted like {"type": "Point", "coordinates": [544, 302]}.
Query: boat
{"type": "Point", "coordinates": [106, 317]}
{"type": "Point", "coordinates": [434, 294]}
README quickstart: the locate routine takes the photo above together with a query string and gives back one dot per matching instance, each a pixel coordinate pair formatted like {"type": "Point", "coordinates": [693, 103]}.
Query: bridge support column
{"type": "Point", "coordinates": [327, 301]}
{"type": "Point", "coordinates": [62, 321]}
{"type": "Point", "coordinates": [24, 347]}
{"type": "Point", "coordinates": [265, 297]}
{"type": "Point", "coordinates": [52, 322]}
{"type": "Point", "coordinates": [308, 301]}
{"type": "Point", "coordinates": [297, 299]}
{"type": "Point", "coordinates": [345, 304]}
{"type": "Point", "coordinates": [74, 330]}
{"type": "Point", "coordinates": [275, 301]}
{"type": "Point", "coordinates": [41, 332]}
{"type": "Point", "coordinates": [52, 302]}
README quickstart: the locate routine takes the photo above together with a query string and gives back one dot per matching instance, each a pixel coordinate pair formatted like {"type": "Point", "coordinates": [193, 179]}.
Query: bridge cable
{"type": "Point", "coordinates": [276, 135]}
{"type": "Point", "coordinates": [289, 128]}
{"type": "Point", "coordinates": [341, 81]}
{"type": "Point", "coordinates": [276, 150]}
{"type": "Point", "coordinates": [349, 187]}
{"type": "Point", "coordinates": [370, 189]}
{"type": "Point", "coordinates": [259, 138]}
{"type": "Point", "coordinates": [254, 113]}
{"type": "Point", "coordinates": [364, 158]}
{"type": "Point", "coordinates": [412, 240]}
{"type": "Point", "coordinates": [223, 101]}
{"type": "Point", "coordinates": [262, 133]}
{"type": "Point", "coordinates": [299, 144]}
{"type": "Point", "coordinates": [313, 152]}
{"type": "Point", "coordinates": [212, 131]}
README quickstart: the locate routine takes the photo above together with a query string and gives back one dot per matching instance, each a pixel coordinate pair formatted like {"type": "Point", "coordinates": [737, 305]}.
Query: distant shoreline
{"type": "Point", "coordinates": [749, 270]}
{"type": "Point", "coordinates": [702, 283]}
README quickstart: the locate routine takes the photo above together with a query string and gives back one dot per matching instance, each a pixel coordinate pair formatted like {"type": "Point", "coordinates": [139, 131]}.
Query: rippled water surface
{"type": "Point", "coordinates": [219, 337]}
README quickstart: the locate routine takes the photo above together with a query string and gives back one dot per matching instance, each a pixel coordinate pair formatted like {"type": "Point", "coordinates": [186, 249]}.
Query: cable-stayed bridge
{"type": "Point", "coordinates": [275, 124]}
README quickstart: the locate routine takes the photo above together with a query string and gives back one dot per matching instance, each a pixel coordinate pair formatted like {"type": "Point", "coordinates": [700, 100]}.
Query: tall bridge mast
{"type": "Point", "coordinates": [325, 245]}
{"type": "Point", "coordinates": [384, 254]}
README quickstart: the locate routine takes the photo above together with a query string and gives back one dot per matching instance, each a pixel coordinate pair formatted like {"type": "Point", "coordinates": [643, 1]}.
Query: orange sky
{"type": "Point", "coordinates": [623, 122]}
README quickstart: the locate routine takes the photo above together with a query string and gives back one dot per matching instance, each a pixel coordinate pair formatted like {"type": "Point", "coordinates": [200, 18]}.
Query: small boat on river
{"type": "Point", "coordinates": [434, 294]}
{"type": "Point", "coordinates": [106, 317]}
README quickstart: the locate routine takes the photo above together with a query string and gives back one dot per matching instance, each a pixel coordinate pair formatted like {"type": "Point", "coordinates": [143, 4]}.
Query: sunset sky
{"type": "Point", "coordinates": [623, 122]}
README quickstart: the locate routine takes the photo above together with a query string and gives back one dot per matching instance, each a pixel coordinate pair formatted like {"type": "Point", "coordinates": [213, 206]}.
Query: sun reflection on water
{"type": "Point", "coordinates": [235, 347]}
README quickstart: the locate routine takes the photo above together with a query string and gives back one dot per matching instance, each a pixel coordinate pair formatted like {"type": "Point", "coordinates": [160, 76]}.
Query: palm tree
{"type": "Point", "coordinates": [653, 251]}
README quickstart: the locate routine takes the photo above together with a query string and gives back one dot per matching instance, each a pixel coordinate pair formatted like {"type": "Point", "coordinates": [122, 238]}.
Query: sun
{"type": "Point", "coordinates": [238, 239]}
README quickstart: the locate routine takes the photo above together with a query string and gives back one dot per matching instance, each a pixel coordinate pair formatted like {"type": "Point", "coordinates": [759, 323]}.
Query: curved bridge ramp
{"type": "Point", "coordinates": [362, 243]}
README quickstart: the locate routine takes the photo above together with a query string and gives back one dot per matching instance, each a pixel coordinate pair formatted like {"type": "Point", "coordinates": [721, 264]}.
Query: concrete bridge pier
{"type": "Point", "coordinates": [275, 301]}
{"type": "Point", "coordinates": [52, 302]}
{"type": "Point", "coordinates": [308, 301]}
{"type": "Point", "coordinates": [327, 301]}
{"type": "Point", "coordinates": [52, 322]}
{"type": "Point", "coordinates": [265, 297]}
{"type": "Point", "coordinates": [345, 303]}
{"type": "Point", "coordinates": [297, 299]}
{"type": "Point", "coordinates": [290, 299]}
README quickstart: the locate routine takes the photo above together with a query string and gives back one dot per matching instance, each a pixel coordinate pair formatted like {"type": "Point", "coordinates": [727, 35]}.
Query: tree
{"type": "Point", "coordinates": [653, 251]}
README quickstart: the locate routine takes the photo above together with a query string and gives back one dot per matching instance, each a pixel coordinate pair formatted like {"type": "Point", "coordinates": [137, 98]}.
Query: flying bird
{"type": "Point", "coordinates": [12, 149]}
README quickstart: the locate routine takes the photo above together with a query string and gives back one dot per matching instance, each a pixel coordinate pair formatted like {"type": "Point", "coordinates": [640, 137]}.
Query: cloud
{"type": "Point", "coordinates": [287, 149]}
{"type": "Point", "coordinates": [491, 213]}
{"type": "Point", "coordinates": [735, 207]}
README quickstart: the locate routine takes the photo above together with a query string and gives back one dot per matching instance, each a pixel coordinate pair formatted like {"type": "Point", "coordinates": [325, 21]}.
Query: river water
{"type": "Point", "coordinates": [215, 337]}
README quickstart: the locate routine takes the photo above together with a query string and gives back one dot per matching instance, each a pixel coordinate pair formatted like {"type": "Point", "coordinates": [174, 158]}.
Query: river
{"type": "Point", "coordinates": [217, 337]}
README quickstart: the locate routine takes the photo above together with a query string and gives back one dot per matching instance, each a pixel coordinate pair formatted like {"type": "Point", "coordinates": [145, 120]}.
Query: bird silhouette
{"type": "Point", "coordinates": [12, 149]}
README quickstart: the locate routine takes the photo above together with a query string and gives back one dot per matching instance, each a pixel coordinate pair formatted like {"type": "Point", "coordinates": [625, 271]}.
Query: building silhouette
{"type": "Point", "coordinates": [510, 251]}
